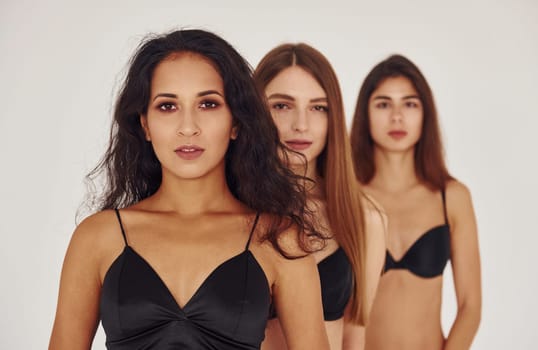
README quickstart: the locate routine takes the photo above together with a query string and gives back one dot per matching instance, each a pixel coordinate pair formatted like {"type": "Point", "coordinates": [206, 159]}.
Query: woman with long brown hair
{"type": "Point", "coordinates": [398, 158]}
{"type": "Point", "coordinates": [200, 224]}
{"type": "Point", "coordinates": [304, 97]}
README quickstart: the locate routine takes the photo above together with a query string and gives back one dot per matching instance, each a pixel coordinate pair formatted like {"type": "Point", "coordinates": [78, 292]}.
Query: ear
{"type": "Point", "coordinates": [144, 124]}
{"type": "Point", "coordinates": [235, 131]}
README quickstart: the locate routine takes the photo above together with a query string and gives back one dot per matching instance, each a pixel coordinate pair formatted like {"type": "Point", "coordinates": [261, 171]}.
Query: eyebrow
{"type": "Point", "coordinates": [209, 92]}
{"type": "Point", "coordinates": [282, 96]}
{"type": "Point", "coordinates": [291, 98]}
{"type": "Point", "coordinates": [382, 97]}
{"type": "Point", "coordinates": [200, 94]}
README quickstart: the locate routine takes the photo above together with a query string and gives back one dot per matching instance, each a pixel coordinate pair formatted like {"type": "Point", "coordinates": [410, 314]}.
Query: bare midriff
{"type": "Point", "coordinates": [406, 314]}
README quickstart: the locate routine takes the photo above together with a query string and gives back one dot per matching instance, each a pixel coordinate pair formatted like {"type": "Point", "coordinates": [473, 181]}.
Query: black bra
{"type": "Point", "coordinates": [336, 278]}
{"type": "Point", "coordinates": [228, 311]}
{"type": "Point", "coordinates": [428, 256]}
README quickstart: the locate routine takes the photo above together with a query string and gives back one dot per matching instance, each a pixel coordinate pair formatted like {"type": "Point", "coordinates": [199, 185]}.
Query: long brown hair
{"type": "Point", "coordinates": [430, 166]}
{"type": "Point", "coordinates": [334, 164]}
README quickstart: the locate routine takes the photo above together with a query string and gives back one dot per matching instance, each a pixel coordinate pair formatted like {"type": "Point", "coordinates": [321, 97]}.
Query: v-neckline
{"type": "Point", "coordinates": [200, 287]}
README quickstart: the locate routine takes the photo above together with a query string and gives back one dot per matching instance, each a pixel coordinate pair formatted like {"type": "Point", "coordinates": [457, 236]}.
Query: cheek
{"type": "Point", "coordinates": [158, 130]}
{"type": "Point", "coordinates": [280, 124]}
{"type": "Point", "coordinates": [417, 122]}
{"type": "Point", "coordinates": [217, 132]}
{"type": "Point", "coordinates": [376, 119]}
{"type": "Point", "coordinates": [376, 126]}
{"type": "Point", "coordinates": [323, 128]}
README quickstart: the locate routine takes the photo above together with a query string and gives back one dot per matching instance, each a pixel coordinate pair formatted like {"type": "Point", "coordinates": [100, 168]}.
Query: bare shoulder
{"type": "Point", "coordinates": [458, 203]}
{"type": "Point", "coordinates": [457, 192]}
{"type": "Point", "coordinates": [97, 237]}
{"type": "Point", "coordinates": [375, 217]}
{"type": "Point", "coordinates": [458, 197]}
{"type": "Point", "coordinates": [288, 241]}
{"type": "Point", "coordinates": [98, 228]}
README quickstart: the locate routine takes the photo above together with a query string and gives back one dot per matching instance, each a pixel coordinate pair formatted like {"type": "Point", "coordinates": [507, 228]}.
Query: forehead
{"type": "Point", "coordinates": [395, 86]}
{"type": "Point", "coordinates": [297, 82]}
{"type": "Point", "coordinates": [186, 71]}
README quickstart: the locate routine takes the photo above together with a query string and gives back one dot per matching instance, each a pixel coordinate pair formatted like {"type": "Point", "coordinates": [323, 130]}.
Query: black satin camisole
{"type": "Point", "coordinates": [228, 311]}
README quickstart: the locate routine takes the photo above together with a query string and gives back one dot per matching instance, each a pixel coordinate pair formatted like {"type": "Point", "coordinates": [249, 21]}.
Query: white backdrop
{"type": "Point", "coordinates": [61, 64]}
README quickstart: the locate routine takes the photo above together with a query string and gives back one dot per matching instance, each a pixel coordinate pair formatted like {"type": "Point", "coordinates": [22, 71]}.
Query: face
{"type": "Point", "coordinates": [188, 121]}
{"type": "Point", "coordinates": [396, 115]}
{"type": "Point", "coordinates": [299, 108]}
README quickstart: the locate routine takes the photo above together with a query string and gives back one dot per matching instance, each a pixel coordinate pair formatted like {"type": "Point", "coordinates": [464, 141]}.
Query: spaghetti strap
{"type": "Point", "coordinates": [121, 226]}
{"type": "Point", "coordinates": [252, 230]}
{"type": "Point", "coordinates": [443, 194]}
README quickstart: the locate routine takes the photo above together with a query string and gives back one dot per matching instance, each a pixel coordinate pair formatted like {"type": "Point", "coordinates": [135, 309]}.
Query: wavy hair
{"type": "Point", "coordinates": [254, 171]}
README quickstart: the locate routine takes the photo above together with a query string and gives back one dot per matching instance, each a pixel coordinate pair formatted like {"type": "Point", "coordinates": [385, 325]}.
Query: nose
{"type": "Point", "coordinates": [300, 121]}
{"type": "Point", "coordinates": [396, 115]}
{"type": "Point", "coordinates": [187, 125]}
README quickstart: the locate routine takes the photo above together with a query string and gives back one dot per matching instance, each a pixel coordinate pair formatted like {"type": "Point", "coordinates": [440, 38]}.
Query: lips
{"type": "Point", "coordinates": [397, 134]}
{"type": "Point", "coordinates": [189, 152]}
{"type": "Point", "coordinates": [298, 145]}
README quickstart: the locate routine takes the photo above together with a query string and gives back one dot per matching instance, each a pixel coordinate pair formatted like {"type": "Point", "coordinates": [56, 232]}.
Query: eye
{"type": "Point", "coordinates": [167, 107]}
{"type": "Point", "coordinates": [280, 106]}
{"type": "Point", "coordinates": [412, 104]}
{"type": "Point", "coordinates": [209, 104]}
{"type": "Point", "coordinates": [382, 105]}
{"type": "Point", "coordinates": [321, 108]}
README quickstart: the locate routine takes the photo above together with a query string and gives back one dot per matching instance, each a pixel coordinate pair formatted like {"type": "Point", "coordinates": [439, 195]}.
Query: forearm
{"type": "Point", "coordinates": [464, 328]}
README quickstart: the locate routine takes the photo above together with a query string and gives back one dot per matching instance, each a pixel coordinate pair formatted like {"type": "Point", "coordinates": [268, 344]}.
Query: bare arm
{"type": "Point", "coordinates": [77, 313]}
{"type": "Point", "coordinates": [465, 265]}
{"type": "Point", "coordinates": [376, 227]}
{"type": "Point", "coordinates": [297, 298]}
{"type": "Point", "coordinates": [354, 336]}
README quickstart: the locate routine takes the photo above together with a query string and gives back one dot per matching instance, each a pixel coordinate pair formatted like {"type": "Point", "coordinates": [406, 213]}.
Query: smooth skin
{"type": "Point", "coordinates": [406, 313]}
{"type": "Point", "coordinates": [191, 224]}
{"type": "Point", "coordinates": [299, 108]}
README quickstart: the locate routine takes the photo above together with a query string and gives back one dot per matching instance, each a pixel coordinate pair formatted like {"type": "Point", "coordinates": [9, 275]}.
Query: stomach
{"type": "Point", "coordinates": [406, 313]}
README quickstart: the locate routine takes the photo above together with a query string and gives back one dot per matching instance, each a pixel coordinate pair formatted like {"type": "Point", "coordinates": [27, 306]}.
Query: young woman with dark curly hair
{"type": "Point", "coordinates": [200, 225]}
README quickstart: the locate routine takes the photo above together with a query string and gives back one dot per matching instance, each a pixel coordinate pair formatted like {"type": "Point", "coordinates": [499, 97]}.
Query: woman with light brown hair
{"type": "Point", "coordinates": [304, 97]}
{"type": "Point", "coordinates": [398, 158]}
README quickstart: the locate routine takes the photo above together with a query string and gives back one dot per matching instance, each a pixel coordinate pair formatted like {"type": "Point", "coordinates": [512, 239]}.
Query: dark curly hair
{"type": "Point", "coordinates": [255, 172]}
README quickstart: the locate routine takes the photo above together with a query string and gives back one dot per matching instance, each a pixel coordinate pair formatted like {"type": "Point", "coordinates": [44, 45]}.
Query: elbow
{"type": "Point", "coordinates": [472, 312]}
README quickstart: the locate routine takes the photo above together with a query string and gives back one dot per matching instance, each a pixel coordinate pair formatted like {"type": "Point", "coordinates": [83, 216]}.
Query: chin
{"type": "Point", "coordinates": [189, 173]}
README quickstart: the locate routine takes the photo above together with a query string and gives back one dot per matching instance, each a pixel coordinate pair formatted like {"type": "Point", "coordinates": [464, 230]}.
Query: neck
{"type": "Point", "coordinates": [395, 171]}
{"type": "Point", "coordinates": [191, 197]}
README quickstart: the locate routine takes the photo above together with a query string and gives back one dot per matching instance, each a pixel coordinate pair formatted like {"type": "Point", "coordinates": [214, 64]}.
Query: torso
{"type": "Point", "coordinates": [176, 271]}
{"type": "Point", "coordinates": [408, 299]}
{"type": "Point", "coordinates": [274, 338]}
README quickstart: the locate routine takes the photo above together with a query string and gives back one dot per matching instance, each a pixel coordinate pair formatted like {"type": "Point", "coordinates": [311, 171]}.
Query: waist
{"type": "Point", "coordinates": [404, 336]}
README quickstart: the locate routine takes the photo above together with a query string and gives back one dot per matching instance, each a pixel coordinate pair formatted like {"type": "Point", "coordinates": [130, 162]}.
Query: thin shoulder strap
{"type": "Point", "coordinates": [252, 230]}
{"type": "Point", "coordinates": [121, 226]}
{"type": "Point", "coordinates": [443, 194]}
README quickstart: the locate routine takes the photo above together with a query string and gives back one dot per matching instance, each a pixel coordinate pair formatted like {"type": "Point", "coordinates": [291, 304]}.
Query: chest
{"type": "Point", "coordinates": [410, 216]}
{"type": "Point", "coordinates": [231, 301]}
